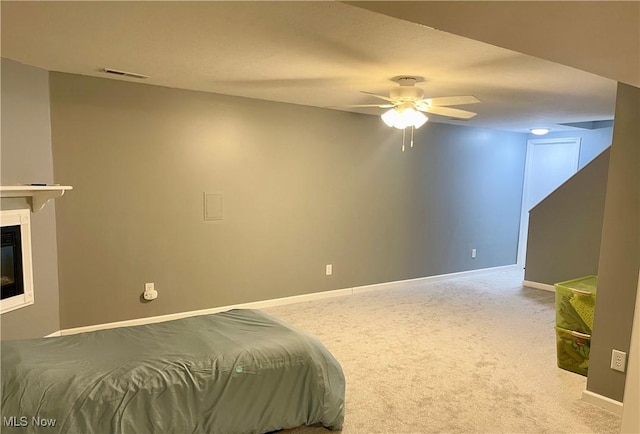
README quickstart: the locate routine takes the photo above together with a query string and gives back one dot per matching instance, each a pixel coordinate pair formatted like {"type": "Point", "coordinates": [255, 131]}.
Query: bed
{"type": "Point", "coordinates": [241, 371]}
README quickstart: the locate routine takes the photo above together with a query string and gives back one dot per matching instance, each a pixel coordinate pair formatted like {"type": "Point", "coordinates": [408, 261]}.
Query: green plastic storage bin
{"type": "Point", "coordinates": [575, 304]}
{"type": "Point", "coordinates": [573, 350]}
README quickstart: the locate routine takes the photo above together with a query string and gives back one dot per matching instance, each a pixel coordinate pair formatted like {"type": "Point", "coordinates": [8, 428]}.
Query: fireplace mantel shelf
{"type": "Point", "coordinates": [39, 194]}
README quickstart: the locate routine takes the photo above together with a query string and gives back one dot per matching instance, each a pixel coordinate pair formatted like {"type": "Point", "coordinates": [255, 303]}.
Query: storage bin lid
{"type": "Point", "coordinates": [582, 285]}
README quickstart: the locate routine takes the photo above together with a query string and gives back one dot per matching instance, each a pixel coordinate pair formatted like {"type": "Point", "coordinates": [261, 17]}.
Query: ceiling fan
{"type": "Point", "coordinates": [406, 104]}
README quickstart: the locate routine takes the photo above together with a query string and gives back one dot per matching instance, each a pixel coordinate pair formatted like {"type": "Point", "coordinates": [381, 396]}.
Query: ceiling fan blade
{"type": "Point", "coordinates": [370, 105]}
{"type": "Point", "coordinates": [447, 111]}
{"type": "Point", "coordinates": [451, 100]}
{"type": "Point", "coordinates": [386, 98]}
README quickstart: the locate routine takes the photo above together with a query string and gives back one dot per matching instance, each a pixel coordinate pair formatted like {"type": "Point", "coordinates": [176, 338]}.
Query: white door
{"type": "Point", "coordinates": [549, 163]}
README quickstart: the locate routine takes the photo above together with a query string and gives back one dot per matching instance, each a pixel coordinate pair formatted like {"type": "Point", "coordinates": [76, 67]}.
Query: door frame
{"type": "Point", "coordinates": [524, 212]}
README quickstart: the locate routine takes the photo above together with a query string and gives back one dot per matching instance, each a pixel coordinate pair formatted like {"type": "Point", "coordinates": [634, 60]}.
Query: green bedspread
{"type": "Point", "coordinates": [241, 371]}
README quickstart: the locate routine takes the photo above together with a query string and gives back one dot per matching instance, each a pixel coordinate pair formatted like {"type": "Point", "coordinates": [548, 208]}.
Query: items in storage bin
{"type": "Point", "coordinates": [575, 303]}
{"type": "Point", "coordinates": [573, 350]}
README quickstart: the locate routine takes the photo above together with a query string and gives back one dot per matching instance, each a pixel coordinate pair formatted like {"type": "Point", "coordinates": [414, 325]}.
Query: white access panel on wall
{"type": "Point", "coordinates": [213, 206]}
{"type": "Point", "coordinates": [549, 163]}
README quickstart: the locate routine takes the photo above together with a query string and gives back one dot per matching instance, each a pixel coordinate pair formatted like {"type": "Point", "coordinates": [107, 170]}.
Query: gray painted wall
{"type": "Point", "coordinates": [565, 228]}
{"type": "Point", "coordinates": [302, 187]}
{"type": "Point", "coordinates": [26, 157]}
{"type": "Point", "coordinates": [620, 249]}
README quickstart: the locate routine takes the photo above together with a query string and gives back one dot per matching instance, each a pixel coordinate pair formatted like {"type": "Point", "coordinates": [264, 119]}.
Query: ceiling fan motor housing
{"type": "Point", "coordinates": [406, 93]}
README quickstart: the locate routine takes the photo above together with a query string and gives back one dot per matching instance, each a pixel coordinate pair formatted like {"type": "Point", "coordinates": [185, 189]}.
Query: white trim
{"type": "Point", "coordinates": [631, 398]}
{"type": "Point", "coordinates": [39, 195]}
{"type": "Point", "coordinates": [603, 402]}
{"type": "Point", "coordinates": [54, 334]}
{"type": "Point", "coordinates": [22, 218]}
{"type": "Point", "coordinates": [280, 301]}
{"type": "Point", "coordinates": [252, 305]}
{"type": "Point", "coordinates": [537, 285]}
{"type": "Point", "coordinates": [430, 279]}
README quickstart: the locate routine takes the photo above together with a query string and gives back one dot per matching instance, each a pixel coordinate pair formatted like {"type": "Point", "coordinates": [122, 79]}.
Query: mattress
{"type": "Point", "coordinates": [241, 371]}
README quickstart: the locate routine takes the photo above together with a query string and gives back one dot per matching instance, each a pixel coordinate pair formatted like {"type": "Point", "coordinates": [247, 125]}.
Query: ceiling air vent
{"type": "Point", "coordinates": [122, 73]}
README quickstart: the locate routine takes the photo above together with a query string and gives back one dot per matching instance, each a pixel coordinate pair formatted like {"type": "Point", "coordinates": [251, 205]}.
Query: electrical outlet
{"type": "Point", "coordinates": [473, 253]}
{"type": "Point", "coordinates": [618, 360]}
{"type": "Point", "coordinates": [328, 270]}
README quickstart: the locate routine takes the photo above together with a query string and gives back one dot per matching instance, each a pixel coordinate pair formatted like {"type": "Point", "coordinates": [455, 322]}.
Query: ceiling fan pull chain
{"type": "Point", "coordinates": [412, 128]}
{"type": "Point", "coordinates": [403, 132]}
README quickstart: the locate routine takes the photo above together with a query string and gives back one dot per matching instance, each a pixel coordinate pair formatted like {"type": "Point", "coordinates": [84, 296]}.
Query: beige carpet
{"type": "Point", "coordinates": [469, 355]}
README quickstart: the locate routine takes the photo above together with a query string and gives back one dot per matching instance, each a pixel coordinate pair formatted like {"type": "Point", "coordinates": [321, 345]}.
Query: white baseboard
{"type": "Point", "coordinates": [53, 335]}
{"type": "Point", "coordinates": [431, 279]}
{"type": "Point", "coordinates": [252, 305]}
{"type": "Point", "coordinates": [603, 402]}
{"type": "Point", "coordinates": [280, 301]}
{"type": "Point", "coordinates": [536, 285]}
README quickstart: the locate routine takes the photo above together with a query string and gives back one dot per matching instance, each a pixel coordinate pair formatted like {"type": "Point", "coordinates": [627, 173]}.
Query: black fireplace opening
{"type": "Point", "coordinates": [11, 260]}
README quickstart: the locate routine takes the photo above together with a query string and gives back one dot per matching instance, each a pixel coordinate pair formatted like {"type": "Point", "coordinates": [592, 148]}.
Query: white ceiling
{"type": "Point", "coordinates": [599, 36]}
{"type": "Point", "coordinates": [311, 53]}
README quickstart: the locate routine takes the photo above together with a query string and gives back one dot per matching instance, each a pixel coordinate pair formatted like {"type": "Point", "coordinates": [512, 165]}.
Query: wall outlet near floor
{"type": "Point", "coordinates": [328, 269]}
{"type": "Point", "coordinates": [618, 360]}
{"type": "Point", "coordinates": [473, 253]}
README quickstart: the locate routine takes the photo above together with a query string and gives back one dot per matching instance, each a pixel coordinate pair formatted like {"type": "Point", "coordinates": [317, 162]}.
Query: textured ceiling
{"type": "Point", "coordinates": [602, 37]}
{"type": "Point", "coordinates": [310, 53]}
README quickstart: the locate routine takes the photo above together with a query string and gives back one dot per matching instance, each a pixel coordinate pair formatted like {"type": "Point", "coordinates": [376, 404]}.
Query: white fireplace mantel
{"type": "Point", "coordinates": [39, 194]}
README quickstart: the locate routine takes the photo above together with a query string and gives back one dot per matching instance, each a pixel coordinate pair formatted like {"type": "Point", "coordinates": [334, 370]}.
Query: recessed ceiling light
{"type": "Point", "coordinates": [539, 131]}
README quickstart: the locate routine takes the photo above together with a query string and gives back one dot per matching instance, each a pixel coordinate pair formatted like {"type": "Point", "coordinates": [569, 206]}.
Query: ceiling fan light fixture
{"type": "Point", "coordinates": [401, 119]}
{"type": "Point", "coordinates": [539, 131]}
{"type": "Point", "coordinates": [419, 119]}
{"type": "Point", "coordinates": [391, 117]}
